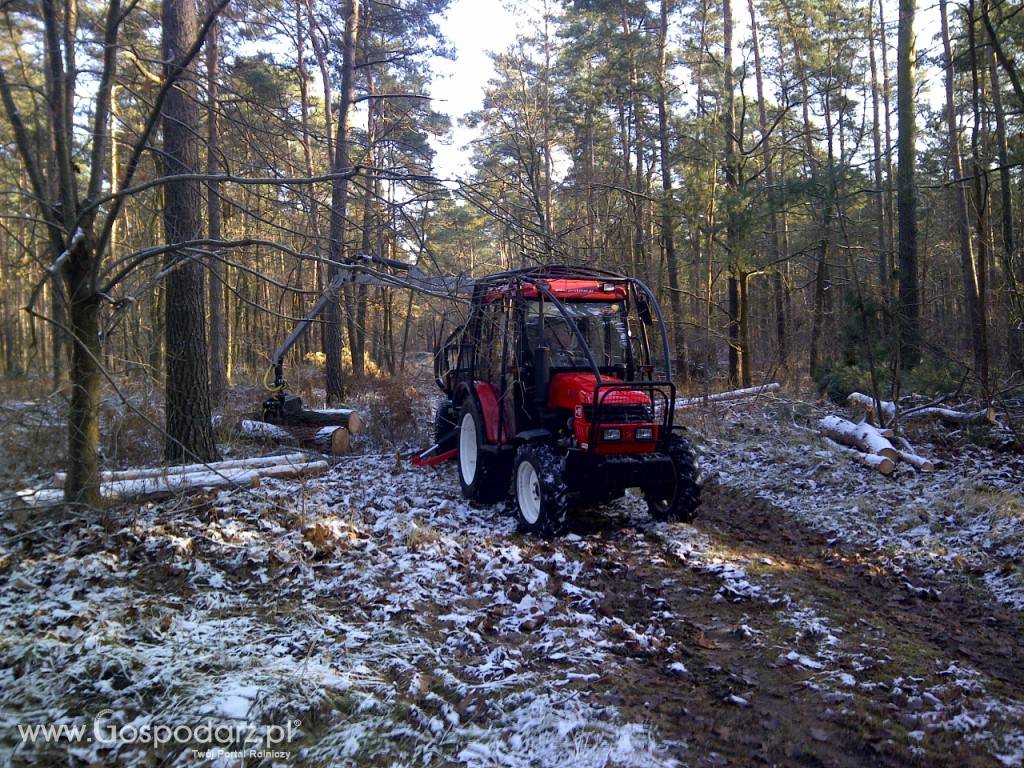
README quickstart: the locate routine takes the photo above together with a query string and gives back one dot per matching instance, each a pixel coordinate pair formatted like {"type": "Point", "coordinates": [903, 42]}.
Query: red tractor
{"type": "Point", "coordinates": [559, 385]}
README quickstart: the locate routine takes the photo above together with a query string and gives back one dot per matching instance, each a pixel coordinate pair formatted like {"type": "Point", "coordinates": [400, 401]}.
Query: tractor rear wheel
{"type": "Point", "coordinates": [680, 499]}
{"type": "Point", "coordinates": [542, 497]}
{"type": "Point", "coordinates": [480, 473]}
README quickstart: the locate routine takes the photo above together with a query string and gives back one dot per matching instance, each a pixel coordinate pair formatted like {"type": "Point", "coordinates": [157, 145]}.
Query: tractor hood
{"type": "Point", "coordinates": [569, 389]}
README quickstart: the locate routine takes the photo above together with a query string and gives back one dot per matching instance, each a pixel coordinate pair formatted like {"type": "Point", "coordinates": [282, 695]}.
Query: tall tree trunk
{"type": "Point", "coordinates": [675, 297]}
{"type": "Point", "coordinates": [909, 310]}
{"type": "Point", "coordinates": [189, 431]}
{"type": "Point", "coordinates": [769, 183]}
{"type": "Point", "coordinates": [736, 356]}
{"type": "Point", "coordinates": [217, 285]}
{"type": "Point", "coordinates": [1014, 274]}
{"type": "Point", "coordinates": [967, 263]}
{"type": "Point", "coordinates": [339, 203]}
{"type": "Point", "coordinates": [881, 217]}
{"type": "Point", "coordinates": [981, 198]}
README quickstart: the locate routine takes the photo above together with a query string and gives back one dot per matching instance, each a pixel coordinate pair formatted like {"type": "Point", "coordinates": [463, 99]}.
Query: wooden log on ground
{"type": "Point", "coordinates": [336, 441]}
{"type": "Point", "coordinates": [864, 437]}
{"type": "Point", "coordinates": [262, 430]}
{"type": "Point", "coordinates": [949, 415]}
{"type": "Point", "coordinates": [735, 394]}
{"type": "Point", "coordinates": [146, 487]}
{"type": "Point", "coordinates": [909, 455]}
{"type": "Point", "coordinates": [184, 469]}
{"type": "Point", "coordinates": [337, 417]}
{"type": "Point", "coordinates": [882, 464]}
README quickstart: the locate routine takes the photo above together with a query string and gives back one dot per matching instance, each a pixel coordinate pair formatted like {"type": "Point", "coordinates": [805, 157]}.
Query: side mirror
{"type": "Point", "coordinates": [541, 374]}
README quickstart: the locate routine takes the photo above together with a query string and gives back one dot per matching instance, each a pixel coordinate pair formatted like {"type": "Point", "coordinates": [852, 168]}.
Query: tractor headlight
{"type": "Point", "coordinates": [644, 433]}
{"type": "Point", "coordinates": [611, 434]}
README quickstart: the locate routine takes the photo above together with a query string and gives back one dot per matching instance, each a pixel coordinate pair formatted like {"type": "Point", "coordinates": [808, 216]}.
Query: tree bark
{"type": "Point", "coordinates": [217, 285]}
{"type": "Point", "coordinates": [675, 298]}
{"type": "Point", "coordinates": [339, 204]}
{"type": "Point", "coordinates": [979, 319]}
{"type": "Point", "coordinates": [909, 310]}
{"type": "Point", "coordinates": [968, 266]}
{"type": "Point", "coordinates": [736, 351]}
{"type": "Point", "coordinates": [189, 433]}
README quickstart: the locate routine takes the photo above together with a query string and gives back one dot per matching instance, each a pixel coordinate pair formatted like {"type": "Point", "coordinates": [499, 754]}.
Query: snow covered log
{"type": "Point", "coordinates": [867, 404]}
{"type": "Point", "coordinates": [333, 440]}
{"type": "Point", "coordinates": [166, 484]}
{"type": "Point", "coordinates": [262, 430]}
{"type": "Point", "coordinates": [735, 394]}
{"type": "Point", "coordinates": [336, 417]}
{"type": "Point", "coordinates": [184, 469]}
{"type": "Point", "coordinates": [917, 462]}
{"type": "Point", "coordinates": [864, 437]}
{"type": "Point", "coordinates": [883, 464]}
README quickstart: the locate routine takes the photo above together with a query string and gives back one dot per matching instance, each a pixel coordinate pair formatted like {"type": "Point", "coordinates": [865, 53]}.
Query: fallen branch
{"type": "Point", "coordinates": [867, 404]}
{"type": "Point", "coordinates": [736, 394]}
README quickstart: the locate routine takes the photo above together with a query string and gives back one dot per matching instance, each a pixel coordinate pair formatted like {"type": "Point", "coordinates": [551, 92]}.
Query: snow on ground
{"type": "Point", "coordinates": [967, 516]}
{"type": "Point", "coordinates": [373, 607]}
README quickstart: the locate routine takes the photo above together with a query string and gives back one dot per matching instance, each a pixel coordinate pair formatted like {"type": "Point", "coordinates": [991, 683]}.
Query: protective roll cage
{"type": "Point", "coordinates": [457, 354]}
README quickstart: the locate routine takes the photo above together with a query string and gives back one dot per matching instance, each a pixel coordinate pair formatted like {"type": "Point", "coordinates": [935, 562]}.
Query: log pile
{"type": "Point", "coordinates": [870, 446]}
{"type": "Point", "coordinates": [149, 482]}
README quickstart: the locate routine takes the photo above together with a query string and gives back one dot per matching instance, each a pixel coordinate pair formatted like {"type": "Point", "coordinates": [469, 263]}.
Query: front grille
{"type": "Point", "coordinates": [612, 413]}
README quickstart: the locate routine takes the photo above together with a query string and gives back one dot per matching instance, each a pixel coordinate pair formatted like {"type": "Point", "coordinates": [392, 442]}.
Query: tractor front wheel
{"type": "Point", "coordinates": [542, 498]}
{"type": "Point", "coordinates": [678, 500]}
{"type": "Point", "coordinates": [480, 473]}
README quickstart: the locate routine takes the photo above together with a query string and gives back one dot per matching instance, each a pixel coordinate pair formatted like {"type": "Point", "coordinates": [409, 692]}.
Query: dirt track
{"type": "Point", "coordinates": [742, 702]}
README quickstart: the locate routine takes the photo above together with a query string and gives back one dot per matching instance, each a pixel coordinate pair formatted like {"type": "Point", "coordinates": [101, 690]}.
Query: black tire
{"type": "Point", "coordinates": [685, 493]}
{"type": "Point", "coordinates": [542, 497]}
{"type": "Point", "coordinates": [489, 481]}
{"type": "Point", "coordinates": [446, 434]}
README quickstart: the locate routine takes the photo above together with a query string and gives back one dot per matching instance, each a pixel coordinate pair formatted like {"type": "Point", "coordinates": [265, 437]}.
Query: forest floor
{"type": "Point", "coordinates": [816, 613]}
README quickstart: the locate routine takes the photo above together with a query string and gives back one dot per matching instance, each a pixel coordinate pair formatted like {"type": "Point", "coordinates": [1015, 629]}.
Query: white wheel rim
{"type": "Point", "coordinates": [528, 492]}
{"type": "Point", "coordinates": [468, 448]}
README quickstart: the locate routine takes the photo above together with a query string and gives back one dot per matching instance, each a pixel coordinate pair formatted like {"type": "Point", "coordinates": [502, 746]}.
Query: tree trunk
{"type": "Point", "coordinates": [675, 298]}
{"type": "Point", "coordinates": [82, 484]}
{"type": "Point", "coordinates": [189, 432]}
{"type": "Point", "coordinates": [909, 311]}
{"type": "Point", "coordinates": [339, 205]}
{"type": "Point", "coordinates": [967, 263]}
{"type": "Point", "coordinates": [979, 320]}
{"type": "Point", "coordinates": [881, 219]}
{"type": "Point", "coordinates": [736, 351]}
{"type": "Point", "coordinates": [217, 285]}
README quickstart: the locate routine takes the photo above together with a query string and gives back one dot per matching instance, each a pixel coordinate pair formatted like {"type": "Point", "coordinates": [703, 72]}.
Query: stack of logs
{"type": "Point", "coordinates": [871, 446]}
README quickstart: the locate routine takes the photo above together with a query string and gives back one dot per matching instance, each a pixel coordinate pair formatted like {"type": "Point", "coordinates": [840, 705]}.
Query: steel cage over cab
{"type": "Point", "coordinates": [458, 360]}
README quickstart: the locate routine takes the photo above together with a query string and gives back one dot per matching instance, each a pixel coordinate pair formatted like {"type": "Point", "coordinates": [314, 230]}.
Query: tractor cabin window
{"type": "Point", "coordinates": [601, 324]}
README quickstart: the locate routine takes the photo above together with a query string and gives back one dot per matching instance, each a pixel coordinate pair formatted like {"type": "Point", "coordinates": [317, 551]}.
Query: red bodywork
{"type": "Point", "coordinates": [572, 391]}
{"type": "Point", "coordinates": [566, 290]}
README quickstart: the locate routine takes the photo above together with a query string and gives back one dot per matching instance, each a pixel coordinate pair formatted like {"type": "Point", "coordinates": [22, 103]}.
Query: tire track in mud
{"type": "Point", "coordinates": [833, 656]}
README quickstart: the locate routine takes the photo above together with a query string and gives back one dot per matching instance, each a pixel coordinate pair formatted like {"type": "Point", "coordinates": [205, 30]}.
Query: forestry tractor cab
{"type": "Point", "coordinates": [559, 385]}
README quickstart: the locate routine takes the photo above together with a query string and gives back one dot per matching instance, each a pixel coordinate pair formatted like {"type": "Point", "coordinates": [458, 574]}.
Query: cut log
{"type": "Point", "coordinates": [736, 394]}
{"type": "Point", "coordinates": [909, 455]}
{"type": "Point", "coordinates": [261, 430]}
{"type": "Point", "coordinates": [334, 440]}
{"type": "Point", "coordinates": [184, 469]}
{"type": "Point", "coordinates": [145, 487]}
{"type": "Point", "coordinates": [883, 464]}
{"type": "Point", "coordinates": [917, 462]}
{"type": "Point", "coordinates": [864, 437]}
{"type": "Point", "coordinates": [336, 417]}
{"type": "Point", "coordinates": [867, 404]}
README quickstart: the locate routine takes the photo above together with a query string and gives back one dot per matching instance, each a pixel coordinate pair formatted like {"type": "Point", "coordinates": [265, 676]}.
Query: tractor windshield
{"type": "Point", "coordinates": [601, 324]}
